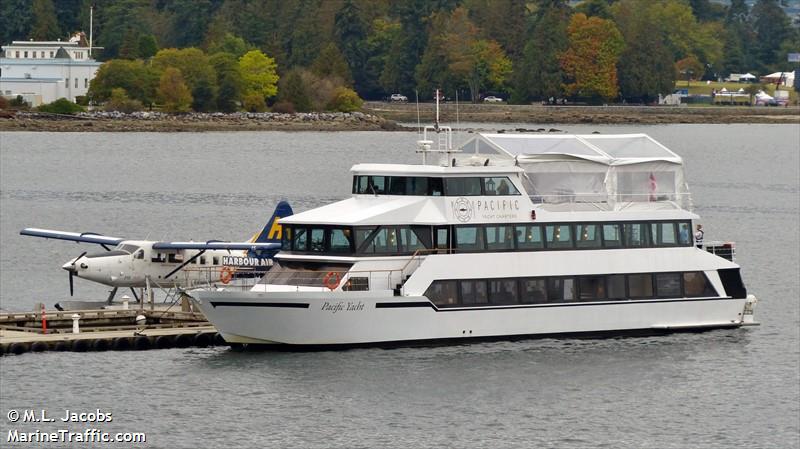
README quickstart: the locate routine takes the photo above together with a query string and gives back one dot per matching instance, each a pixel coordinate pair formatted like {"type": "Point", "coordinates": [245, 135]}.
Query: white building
{"type": "Point", "coordinates": [44, 71]}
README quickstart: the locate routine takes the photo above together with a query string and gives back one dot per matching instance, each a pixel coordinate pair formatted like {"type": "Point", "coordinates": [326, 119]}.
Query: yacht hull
{"type": "Point", "coordinates": [370, 318]}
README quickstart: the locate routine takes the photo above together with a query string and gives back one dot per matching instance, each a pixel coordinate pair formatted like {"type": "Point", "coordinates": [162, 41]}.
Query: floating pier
{"type": "Point", "coordinates": [118, 329]}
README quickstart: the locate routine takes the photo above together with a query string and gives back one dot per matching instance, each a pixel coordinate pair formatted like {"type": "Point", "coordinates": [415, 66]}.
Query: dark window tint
{"type": "Point", "coordinates": [533, 291]}
{"type": "Point", "coordinates": [410, 240]}
{"type": "Point", "coordinates": [612, 235]}
{"type": "Point", "coordinates": [558, 236]}
{"type": "Point", "coordinates": [640, 285]}
{"type": "Point", "coordinates": [503, 291]}
{"type": "Point", "coordinates": [636, 235]}
{"type": "Point", "coordinates": [341, 240]}
{"type": "Point", "coordinates": [560, 289]}
{"type": "Point", "coordinates": [463, 186]}
{"type": "Point", "coordinates": [499, 185]}
{"type": "Point", "coordinates": [592, 288]}
{"type": "Point", "coordinates": [695, 284]}
{"type": "Point", "coordinates": [442, 238]}
{"type": "Point", "coordinates": [499, 238]}
{"type": "Point", "coordinates": [668, 285]}
{"type": "Point", "coordinates": [300, 240]}
{"type": "Point", "coordinates": [443, 293]}
{"type": "Point", "coordinates": [370, 185]}
{"type": "Point", "coordinates": [317, 240]}
{"type": "Point", "coordinates": [474, 292]}
{"type": "Point", "coordinates": [616, 286]}
{"type": "Point", "coordinates": [435, 186]}
{"type": "Point", "coordinates": [587, 236]}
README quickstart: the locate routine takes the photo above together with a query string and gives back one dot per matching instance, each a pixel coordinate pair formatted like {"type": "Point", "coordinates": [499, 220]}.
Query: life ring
{"type": "Point", "coordinates": [225, 274]}
{"type": "Point", "coordinates": [331, 280]}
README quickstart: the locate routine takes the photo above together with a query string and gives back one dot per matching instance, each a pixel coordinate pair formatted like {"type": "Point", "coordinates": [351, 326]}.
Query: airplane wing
{"type": "Point", "coordinates": [85, 237]}
{"type": "Point", "coordinates": [217, 245]}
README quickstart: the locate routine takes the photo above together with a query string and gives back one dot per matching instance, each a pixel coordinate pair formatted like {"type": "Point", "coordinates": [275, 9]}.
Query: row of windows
{"type": "Point", "coordinates": [85, 82]}
{"type": "Point", "coordinates": [543, 290]}
{"type": "Point", "coordinates": [428, 186]}
{"type": "Point", "coordinates": [399, 240]}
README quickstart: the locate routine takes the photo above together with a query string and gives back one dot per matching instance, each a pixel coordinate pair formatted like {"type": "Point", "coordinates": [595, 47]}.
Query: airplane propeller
{"type": "Point", "coordinates": [72, 270]}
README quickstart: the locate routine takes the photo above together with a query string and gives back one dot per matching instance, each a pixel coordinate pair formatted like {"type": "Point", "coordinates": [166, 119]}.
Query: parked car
{"type": "Point", "coordinates": [492, 99]}
{"type": "Point", "coordinates": [398, 98]}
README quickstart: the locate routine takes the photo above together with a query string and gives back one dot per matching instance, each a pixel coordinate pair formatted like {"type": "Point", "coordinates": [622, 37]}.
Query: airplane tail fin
{"type": "Point", "coordinates": [273, 231]}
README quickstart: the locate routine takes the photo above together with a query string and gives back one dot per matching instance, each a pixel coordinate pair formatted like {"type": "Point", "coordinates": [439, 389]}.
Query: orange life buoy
{"type": "Point", "coordinates": [226, 274]}
{"type": "Point", "coordinates": [331, 280]}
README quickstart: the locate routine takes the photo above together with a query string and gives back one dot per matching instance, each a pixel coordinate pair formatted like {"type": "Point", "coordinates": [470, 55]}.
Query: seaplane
{"type": "Point", "coordinates": [168, 265]}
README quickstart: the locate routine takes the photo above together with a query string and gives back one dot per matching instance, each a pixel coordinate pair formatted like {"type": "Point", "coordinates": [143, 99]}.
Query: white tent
{"type": "Point", "coordinates": [784, 78]}
{"type": "Point", "coordinates": [612, 169]}
{"type": "Point", "coordinates": [747, 77]}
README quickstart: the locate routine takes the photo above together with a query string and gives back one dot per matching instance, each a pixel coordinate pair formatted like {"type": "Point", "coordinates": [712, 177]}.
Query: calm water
{"type": "Point", "coordinates": [716, 389]}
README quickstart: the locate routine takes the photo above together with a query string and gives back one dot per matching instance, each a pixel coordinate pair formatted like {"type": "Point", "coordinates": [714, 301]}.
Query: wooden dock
{"type": "Point", "coordinates": [105, 329]}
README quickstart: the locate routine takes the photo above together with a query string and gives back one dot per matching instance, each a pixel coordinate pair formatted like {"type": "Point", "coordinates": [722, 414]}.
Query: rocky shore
{"type": "Point", "coordinates": [147, 121]}
{"type": "Point", "coordinates": [378, 116]}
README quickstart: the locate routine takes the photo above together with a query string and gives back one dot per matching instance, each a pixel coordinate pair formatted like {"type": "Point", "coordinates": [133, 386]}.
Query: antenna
{"type": "Point", "coordinates": [419, 123]}
{"type": "Point", "coordinates": [436, 123]}
{"type": "Point", "coordinates": [458, 123]}
{"type": "Point", "coordinates": [91, 22]}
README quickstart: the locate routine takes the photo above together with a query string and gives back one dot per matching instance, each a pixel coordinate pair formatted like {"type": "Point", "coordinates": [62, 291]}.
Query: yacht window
{"type": "Point", "coordinates": [435, 187]}
{"type": "Point", "coordinates": [317, 240]}
{"type": "Point", "coordinates": [463, 186]}
{"type": "Point", "coordinates": [370, 185]}
{"type": "Point", "coordinates": [663, 234]}
{"type": "Point", "coordinates": [499, 238]}
{"type": "Point", "coordinates": [616, 286]}
{"type": "Point", "coordinates": [443, 293]}
{"type": "Point", "coordinates": [442, 239]}
{"type": "Point", "coordinates": [408, 185]}
{"type": "Point", "coordinates": [474, 292]}
{"type": "Point", "coordinates": [587, 236]}
{"type": "Point", "coordinates": [695, 284]}
{"type": "Point", "coordinates": [668, 285]}
{"type": "Point", "coordinates": [499, 185]}
{"type": "Point", "coordinates": [341, 241]}
{"type": "Point", "coordinates": [592, 288]}
{"type": "Point", "coordinates": [300, 239]}
{"type": "Point", "coordinates": [469, 238]}
{"type": "Point", "coordinates": [383, 241]}
{"type": "Point", "coordinates": [612, 235]}
{"type": "Point", "coordinates": [362, 235]}
{"type": "Point", "coordinates": [286, 238]}
{"type": "Point", "coordinates": [558, 236]}
{"type": "Point", "coordinates": [397, 185]}
{"type": "Point", "coordinates": [684, 234]}
{"type": "Point", "coordinates": [635, 235]}
{"type": "Point", "coordinates": [529, 237]}
{"type": "Point", "coordinates": [410, 239]}
{"type": "Point", "coordinates": [560, 289]}
{"type": "Point", "coordinates": [534, 291]}
{"type": "Point", "coordinates": [503, 291]}
{"type": "Point", "coordinates": [640, 285]}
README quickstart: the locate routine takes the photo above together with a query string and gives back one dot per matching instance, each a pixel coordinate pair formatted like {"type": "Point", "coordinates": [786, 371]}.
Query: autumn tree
{"type": "Point", "coordinates": [258, 74]}
{"type": "Point", "coordinates": [590, 61]}
{"type": "Point", "coordinates": [690, 68]}
{"type": "Point", "coordinates": [173, 92]}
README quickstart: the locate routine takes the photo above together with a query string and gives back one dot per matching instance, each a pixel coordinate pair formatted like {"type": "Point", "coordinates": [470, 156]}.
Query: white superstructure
{"type": "Point", "coordinates": [44, 71]}
{"type": "Point", "coordinates": [511, 235]}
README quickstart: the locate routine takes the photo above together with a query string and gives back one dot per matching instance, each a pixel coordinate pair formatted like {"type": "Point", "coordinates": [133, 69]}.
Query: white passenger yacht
{"type": "Point", "coordinates": [509, 236]}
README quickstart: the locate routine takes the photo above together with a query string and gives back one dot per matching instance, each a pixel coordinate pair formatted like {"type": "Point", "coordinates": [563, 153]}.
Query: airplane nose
{"type": "Point", "coordinates": [69, 266]}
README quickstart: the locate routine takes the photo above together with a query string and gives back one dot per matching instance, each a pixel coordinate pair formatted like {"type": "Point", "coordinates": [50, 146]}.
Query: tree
{"type": "Point", "coordinates": [706, 11]}
{"type": "Point", "coordinates": [189, 20]}
{"type": "Point", "coordinates": [539, 73]}
{"type": "Point", "coordinates": [772, 27]}
{"type": "Point", "coordinates": [503, 21]}
{"type": "Point", "coordinates": [590, 61]}
{"type": "Point", "coordinates": [690, 68]}
{"type": "Point", "coordinates": [331, 62]}
{"type": "Point", "coordinates": [230, 43]}
{"type": "Point", "coordinates": [147, 46]}
{"type": "Point", "coordinates": [259, 74]}
{"type": "Point", "coordinates": [116, 20]}
{"type": "Point", "coordinates": [173, 92]}
{"type": "Point", "coordinates": [195, 69]}
{"type": "Point", "coordinates": [595, 8]}
{"type": "Point", "coordinates": [378, 44]}
{"type": "Point", "coordinates": [229, 81]}
{"type": "Point", "coordinates": [137, 79]}
{"type": "Point", "coordinates": [119, 101]}
{"type": "Point", "coordinates": [351, 37]}
{"type": "Point", "coordinates": [61, 106]}
{"type": "Point", "coordinates": [15, 20]}
{"type": "Point", "coordinates": [45, 24]}
{"type": "Point", "coordinates": [294, 91]}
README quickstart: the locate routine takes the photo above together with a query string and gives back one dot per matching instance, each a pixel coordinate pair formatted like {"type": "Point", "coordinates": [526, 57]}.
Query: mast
{"type": "Point", "coordinates": [91, 17]}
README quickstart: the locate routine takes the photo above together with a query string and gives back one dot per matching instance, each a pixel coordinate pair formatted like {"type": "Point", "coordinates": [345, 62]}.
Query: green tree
{"type": "Point", "coordinates": [15, 20]}
{"type": "Point", "coordinates": [503, 21]}
{"type": "Point", "coordinates": [116, 20]}
{"type": "Point", "coordinates": [345, 100]}
{"type": "Point", "coordinates": [137, 79]}
{"type": "Point", "coordinates": [189, 20]}
{"type": "Point", "coordinates": [590, 61]}
{"type": "Point", "coordinates": [379, 42]}
{"type": "Point", "coordinates": [294, 90]}
{"type": "Point", "coordinates": [61, 106]}
{"type": "Point", "coordinates": [690, 68]}
{"type": "Point", "coordinates": [539, 74]}
{"type": "Point", "coordinates": [331, 62]}
{"type": "Point", "coordinates": [259, 74]}
{"type": "Point", "coordinates": [772, 28]}
{"type": "Point", "coordinates": [195, 69]}
{"type": "Point", "coordinates": [351, 37]}
{"type": "Point", "coordinates": [147, 46]}
{"type": "Point", "coordinates": [45, 24]}
{"type": "Point", "coordinates": [229, 81]}
{"type": "Point", "coordinates": [173, 93]}
{"type": "Point", "coordinates": [595, 8]}
{"type": "Point", "coordinates": [707, 11]}
{"type": "Point", "coordinates": [229, 43]}
{"type": "Point", "coordinates": [120, 101]}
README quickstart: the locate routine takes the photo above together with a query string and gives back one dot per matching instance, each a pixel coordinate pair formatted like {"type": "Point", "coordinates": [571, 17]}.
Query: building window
{"type": "Point", "coordinates": [52, 54]}
{"type": "Point", "coordinates": [26, 54]}
{"type": "Point", "coordinates": [76, 83]}
{"type": "Point", "coordinates": [66, 82]}
{"type": "Point", "coordinates": [86, 83]}
{"type": "Point", "coordinates": [42, 54]}
{"type": "Point", "coordinates": [17, 54]}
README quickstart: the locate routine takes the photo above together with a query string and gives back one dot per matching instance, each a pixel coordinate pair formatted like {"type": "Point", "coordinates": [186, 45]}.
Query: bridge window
{"type": "Point", "coordinates": [463, 186]}
{"type": "Point", "coordinates": [663, 234]}
{"type": "Point", "coordinates": [317, 240]}
{"type": "Point", "coordinates": [529, 237]}
{"type": "Point", "coordinates": [684, 234]}
{"type": "Point", "coordinates": [612, 235]}
{"type": "Point", "coordinates": [300, 240]}
{"type": "Point", "coordinates": [587, 236]}
{"type": "Point", "coordinates": [499, 185]}
{"type": "Point", "coordinates": [369, 185]}
{"type": "Point", "coordinates": [636, 235]}
{"type": "Point", "coordinates": [469, 238]}
{"type": "Point", "coordinates": [341, 241]}
{"type": "Point", "coordinates": [558, 236]}
{"type": "Point", "coordinates": [499, 238]}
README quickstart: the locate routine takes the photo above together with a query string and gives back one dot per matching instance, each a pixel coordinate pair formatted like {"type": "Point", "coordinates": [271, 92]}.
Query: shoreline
{"type": "Point", "coordinates": [378, 116]}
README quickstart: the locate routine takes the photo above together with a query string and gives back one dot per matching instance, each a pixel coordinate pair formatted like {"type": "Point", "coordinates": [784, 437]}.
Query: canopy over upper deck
{"type": "Point", "coordinates": [613, 169]}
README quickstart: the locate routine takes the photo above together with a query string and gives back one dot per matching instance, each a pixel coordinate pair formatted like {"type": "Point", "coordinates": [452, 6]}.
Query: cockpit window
{"type": "Point", "coordinates": [127, 248]}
